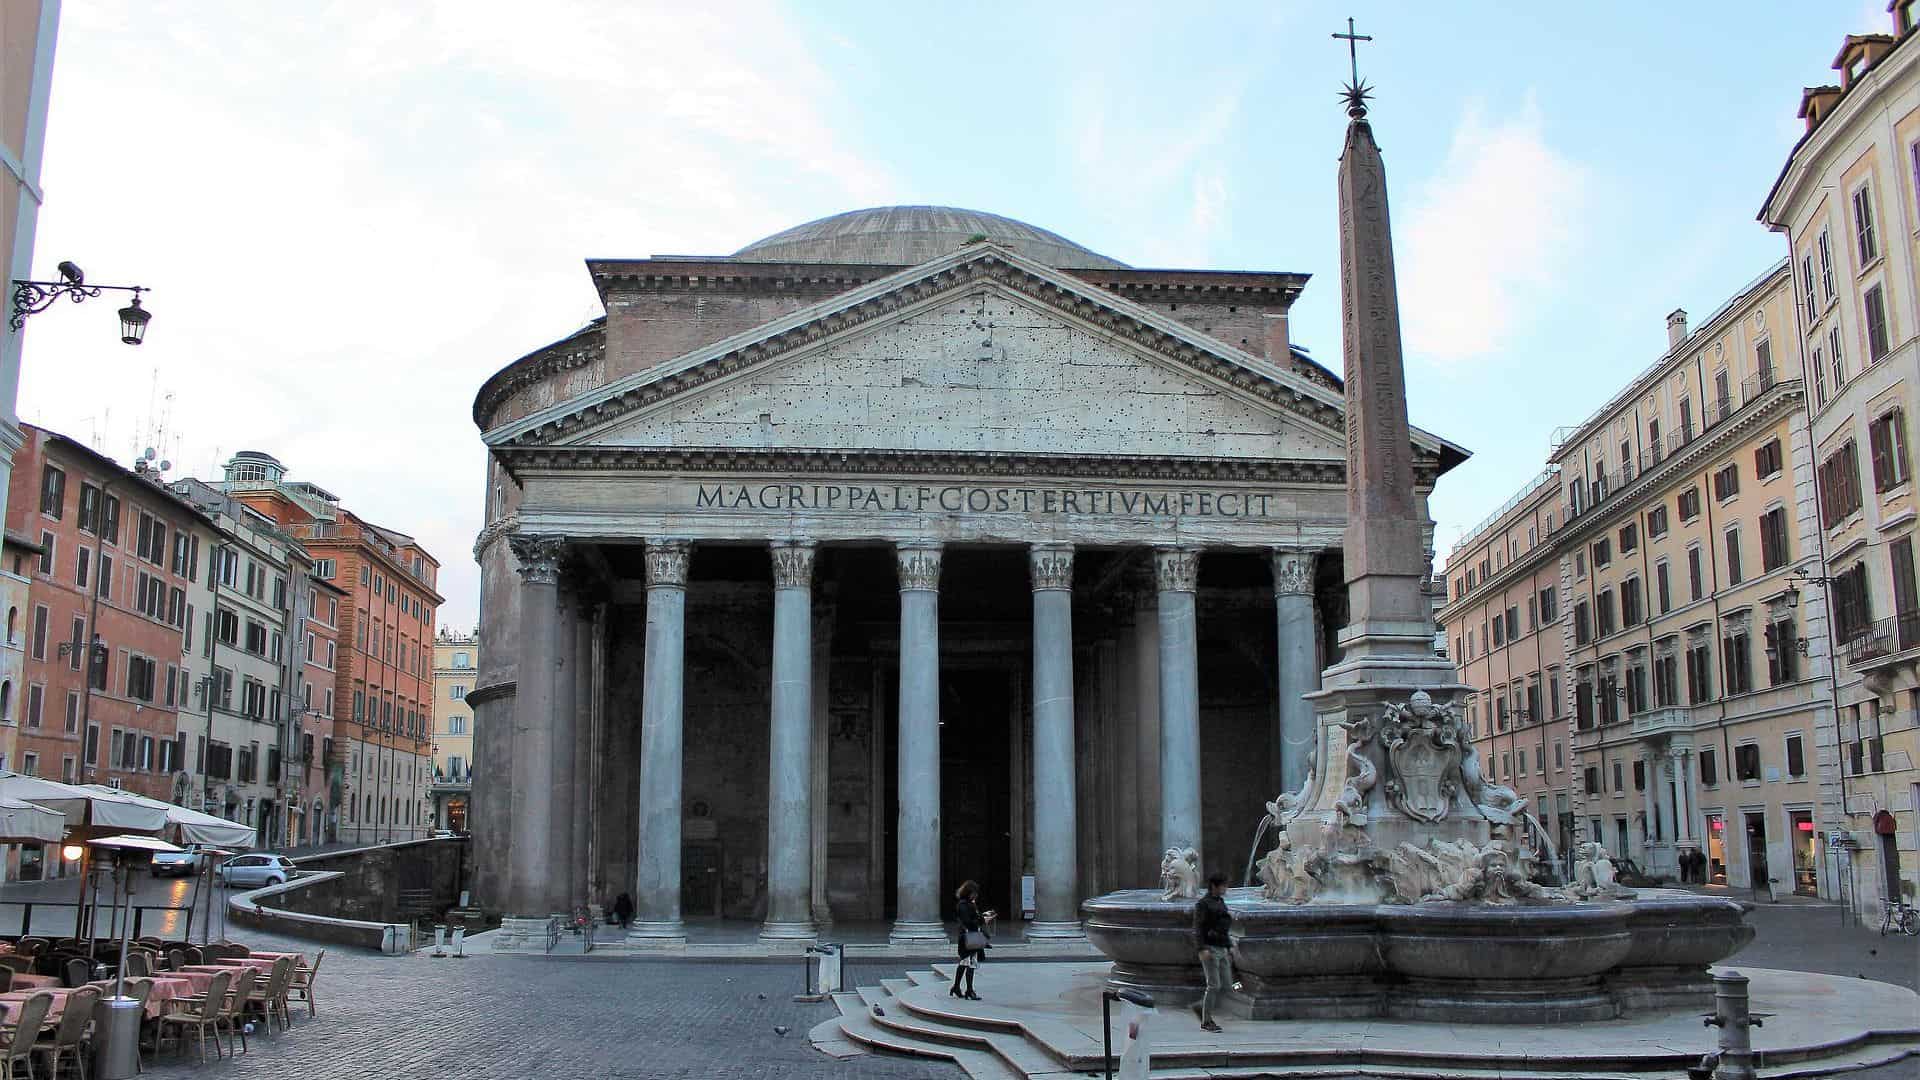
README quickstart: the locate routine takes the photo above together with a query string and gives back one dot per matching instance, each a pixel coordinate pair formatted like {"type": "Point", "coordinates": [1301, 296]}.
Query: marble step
{"type": "Point", "coordinates": [1023, 1057]}
{"type": "Point", "coordinates": [860, 1025]}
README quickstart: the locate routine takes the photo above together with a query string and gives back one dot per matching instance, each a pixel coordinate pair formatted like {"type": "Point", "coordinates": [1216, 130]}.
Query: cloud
{"type": "Point", "coordinates": [1149, 158]}
{"type": "Point", "coordinates": [1487, 236]}
{"type": "Point", "coordinates": [351, 216]}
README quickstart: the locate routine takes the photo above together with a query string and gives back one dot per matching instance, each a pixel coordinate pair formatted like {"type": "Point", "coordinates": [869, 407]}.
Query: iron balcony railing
{"type": "Point", "coordinates": [1716, 411]}
{"type": "Point", "coordinates": [1894, 634]}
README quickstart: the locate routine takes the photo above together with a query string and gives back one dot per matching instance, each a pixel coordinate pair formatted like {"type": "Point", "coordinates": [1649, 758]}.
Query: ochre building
{"type": "Point", "coordinates": [903, 547]}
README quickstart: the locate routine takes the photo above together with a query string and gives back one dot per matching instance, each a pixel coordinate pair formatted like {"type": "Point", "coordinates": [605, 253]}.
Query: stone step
{"type": "Point", "coordinates": [864, 1028]}
{"type": "Point", "coordinates": [1021, 1055]}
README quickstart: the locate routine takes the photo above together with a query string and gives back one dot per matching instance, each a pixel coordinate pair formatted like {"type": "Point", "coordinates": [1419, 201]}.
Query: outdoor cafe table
{"type": "Point", "coordinates": [260, 964]}
{"type": "Point", "coordinates": [24, 981]}
{"type": "Point", "coordinates": [165, 989]}
{"type": "Point", "coordinates": [202, 980]}
{"type": "Point", "coordinates": [11, 1001]}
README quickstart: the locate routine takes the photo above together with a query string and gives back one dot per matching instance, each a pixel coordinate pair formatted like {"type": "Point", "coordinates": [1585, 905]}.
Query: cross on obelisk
{"type": "Point", "coordinates": [1353, 41]}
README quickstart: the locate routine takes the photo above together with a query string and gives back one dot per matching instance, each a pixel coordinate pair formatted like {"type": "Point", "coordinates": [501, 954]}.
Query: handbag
{"type": "Point", "coordinates": [973, 940]}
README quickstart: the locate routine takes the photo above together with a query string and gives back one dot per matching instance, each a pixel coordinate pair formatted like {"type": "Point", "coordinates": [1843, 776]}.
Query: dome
{"type": "Point", "coordinates": [905, 235]}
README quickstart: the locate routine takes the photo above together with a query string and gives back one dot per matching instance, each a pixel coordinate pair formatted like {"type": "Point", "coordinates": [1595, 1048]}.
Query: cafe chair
{"type": "Point", "coordinates": [72, 1034]}
{"type": "Point", "coordinates": [201, 1012]}
{"type": "Point", "coordinates": [16, 1049]}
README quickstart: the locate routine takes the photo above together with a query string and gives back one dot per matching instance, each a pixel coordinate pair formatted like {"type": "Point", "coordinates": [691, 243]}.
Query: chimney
{"type": "Point", "coordinates": [1278, 349]}
{"type": "Point", "coordinates": [1676, 329]}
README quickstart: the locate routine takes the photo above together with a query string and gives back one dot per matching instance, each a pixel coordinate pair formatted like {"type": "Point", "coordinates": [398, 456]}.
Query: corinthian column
{"type": "Point", "coordinates": [1055, 859]}
{"type": "Point", "coordinates": [1299, 666]}
{"type": "Point", "coordinates": [661, 745]}
{"type": "Point", "coordinates": [917, 910]}
{"type": "Point", "coordinates": [531, 881]}
{"type": "Point", "coordinates": [563, 787]}
{"type": "Point", "coordinates": [790, 745]}
{"type": "Point", "coordinates": [1175, 571]}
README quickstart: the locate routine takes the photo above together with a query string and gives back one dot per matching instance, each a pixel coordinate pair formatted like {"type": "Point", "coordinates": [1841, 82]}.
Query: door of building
{"type": "Point", "coordinates": [1622, 839]}
{"type": "Point", "coordinates": [1806, 856]}
{"type": "Point", "coordinates": [1717, 849]}
{"type": "Point", "coordinates": [1757, 850]}
{"type": "Point", "coordinates": [975, 811]}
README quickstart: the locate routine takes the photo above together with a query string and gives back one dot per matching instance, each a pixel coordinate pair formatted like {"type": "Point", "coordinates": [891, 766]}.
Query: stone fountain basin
{"type": "Point", "coordinates": [1455, 962]}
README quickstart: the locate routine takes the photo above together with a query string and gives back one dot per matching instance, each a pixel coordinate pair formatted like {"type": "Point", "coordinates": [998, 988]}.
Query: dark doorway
{"type": "Point", "coordinates": [1757, 851]}
{"type": "Point", "coordinates": [975, 813]}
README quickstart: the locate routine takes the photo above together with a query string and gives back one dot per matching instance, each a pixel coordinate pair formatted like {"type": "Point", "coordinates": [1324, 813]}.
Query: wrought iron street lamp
{"type": "Point", "coordinates": [33, 297]}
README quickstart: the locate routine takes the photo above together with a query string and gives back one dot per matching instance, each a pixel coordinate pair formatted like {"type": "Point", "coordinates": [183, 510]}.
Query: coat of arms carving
{"type": "Point", "coordinates": [1423, 742]}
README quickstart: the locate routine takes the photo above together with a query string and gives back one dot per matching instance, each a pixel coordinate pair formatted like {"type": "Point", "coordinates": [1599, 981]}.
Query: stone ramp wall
{"type": "Point", "coordinates": [355, 897]}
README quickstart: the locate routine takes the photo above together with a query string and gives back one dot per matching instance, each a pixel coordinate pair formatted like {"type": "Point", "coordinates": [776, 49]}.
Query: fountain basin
{"type": "Point", "coordinates": [1449, 962]}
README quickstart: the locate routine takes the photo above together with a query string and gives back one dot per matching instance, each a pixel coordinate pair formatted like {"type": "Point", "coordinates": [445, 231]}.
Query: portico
{"type": "Point", "coordinates": [972, 571]}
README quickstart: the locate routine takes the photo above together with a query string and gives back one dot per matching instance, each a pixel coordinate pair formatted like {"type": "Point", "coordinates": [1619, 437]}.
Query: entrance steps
{"type": "Point", "coordinates": [1043, 1021]}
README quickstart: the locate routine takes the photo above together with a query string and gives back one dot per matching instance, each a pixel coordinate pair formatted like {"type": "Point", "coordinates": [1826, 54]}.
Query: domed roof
{"type": "Point", "coordinates": [905, 235]}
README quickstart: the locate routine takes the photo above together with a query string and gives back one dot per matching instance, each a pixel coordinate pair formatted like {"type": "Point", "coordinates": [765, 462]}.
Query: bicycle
{"type": "Point", "coordinates": [1897, 917]}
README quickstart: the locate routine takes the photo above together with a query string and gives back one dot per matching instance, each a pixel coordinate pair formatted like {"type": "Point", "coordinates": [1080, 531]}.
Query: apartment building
{"type": "Point", "coordinates": [108, 622]}
{"type": "Point", "coordinates": [1848, 202]}
{"type": "Point", "coordinates": [1501, 621]}
{"type": "Point", "coordinates": [315, 784]}
{"type": "Point", "coordinates": [456, 660]}
{"type": "Point", "coordinates": [383, 676]}
{"type": "Point", "coordinates": [1673, 531]}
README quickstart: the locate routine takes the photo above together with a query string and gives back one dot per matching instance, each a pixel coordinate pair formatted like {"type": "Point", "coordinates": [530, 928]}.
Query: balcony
{"type": "Point", "coordinates": [1883, 641]}
{"type": "Point", "coordinates": [1663, 721]}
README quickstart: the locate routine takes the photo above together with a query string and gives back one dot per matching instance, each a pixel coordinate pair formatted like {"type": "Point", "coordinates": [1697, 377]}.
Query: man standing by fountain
{"type": "Point", "coordinates": [1212, 926]}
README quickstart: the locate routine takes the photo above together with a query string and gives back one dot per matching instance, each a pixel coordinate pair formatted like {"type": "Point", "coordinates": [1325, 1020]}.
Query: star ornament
{"type": "Point", "coordinates": [1357, 94]}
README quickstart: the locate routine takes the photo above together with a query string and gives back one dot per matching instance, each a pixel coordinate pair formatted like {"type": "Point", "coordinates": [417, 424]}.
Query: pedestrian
{"type": "Point", "coordinates": [975, 937]}
{"type": "Point", "coordinates": [1211, 925]}
{"type": "Point", "coordinates": [623, 910]}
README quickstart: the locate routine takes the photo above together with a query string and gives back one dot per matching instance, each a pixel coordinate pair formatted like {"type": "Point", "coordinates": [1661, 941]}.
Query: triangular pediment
{"type": "Point", "coordinates": [978, 351]}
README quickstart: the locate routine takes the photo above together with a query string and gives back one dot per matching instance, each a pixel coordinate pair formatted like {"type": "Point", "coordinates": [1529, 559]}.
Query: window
{"type": "Point", "coordinates": [463, 661]}
{"type": "Point", "coordinates": [82, 563]}
{"type": "Point", "coordinates": [457, 692]}
{"type": "Point", "coordinates": [1582, 623]}
{"type": "Point", "coordinates": [1657, 522]}
{"type": "Point", "coordinates": [1499, 636]}
{"type": "Point", "coordinates": [1549, 604]}
{"type": "Point", "coordinates": [1636, 689]}
{"type": "Point", "coordinates": [47, 555]}
{"type": "Point", "coordinates": [1699, 673]}
{"type": "Point", "coordinates": [256, 638]}
{"type": "Point", "coordinates": [105, 576]}
{"type": "Point", "coordinates": [1767, 460]}
{"type": "Point", "coordinates": [1887, 444]}
{"type": "Point", "coordinates": [1602, 553]}
{"type": "Point", "coordinates": [1734, 575]}
{"type": "Point", "coordinates": [1726, 482]}
{"type": "Point", "coordinates": [1826, 264]}
{"type": "Point", "coordinates": [1783, 643]}
{"type": "Point", "coordinates": [1737, 676]}
{"type": "Point", "coordinates": [1796, 757]}
{"type": "Point", "coordinates": [1632, 609]}
{"type": "Point", "coordinates": [1666, 680]}
{"type": "Point", "coordinates": [1806, 288]}
{"type": "Point", "coordinates": [1663, 593]}
{"type": "Point", "coordinates": [1709, 766]}
{"type": "Point", "coordinates": [1746, 761]}
{"type": "Point", "coordinates": [1839, 485]}
{"type": "Point", "coordinates": [140, 678]}
{"type": "Point", "coordinates": [226, 627]}
{"type": "Point", "coordinates": [1852, 612]}
{"type": "Point", "coordinates": [1619, 778]}
{"type": "Point", "coordinates": [1864, 239]}
{"type": "Point", "coordinates": [53, 492]}
{"type": "Point", "coordinates": [1773, 539]}
{"type": "Point", "coordinates": [1629, 537]}
{"type": "Point", "coordinates": [36, 701]}
{"type": "Point", "coordinates": [323, 569]}
{"type": "Point", "coordinates": [40, 633]}
{"type": "Point", "coordinates": [1877, 333]}
{"type": "Point", "coordinates": [1689, 504]}
{"type": "Point", "coordinates": [1639, 774]}
{"type": "Point", "coordinates": [1593, 780]}
{"type": "Point", "coordinates": [1836, 355]}
{"type": "Point", "coordinates": [1604, 620]}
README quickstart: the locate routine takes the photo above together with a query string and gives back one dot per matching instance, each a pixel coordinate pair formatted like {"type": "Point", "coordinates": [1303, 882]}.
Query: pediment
{"type": "Point", "coordinates": [980, 351]}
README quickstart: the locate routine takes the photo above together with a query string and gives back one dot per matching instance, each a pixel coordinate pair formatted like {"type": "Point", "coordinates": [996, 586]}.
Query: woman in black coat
{"type": "Point", "coordinates": [973, 932]}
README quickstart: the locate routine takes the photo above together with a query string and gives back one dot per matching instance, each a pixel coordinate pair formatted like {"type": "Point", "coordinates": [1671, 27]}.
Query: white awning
{"type": "Point", "coordinates": [186, 826]}
{"type": "Point", "coordinates": [25, 823]}
{"type": "Point", "coordinates": [90, 811]}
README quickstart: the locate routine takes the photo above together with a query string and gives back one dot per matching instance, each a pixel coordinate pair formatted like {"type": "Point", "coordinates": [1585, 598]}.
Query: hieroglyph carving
{"type": "Point", "coordinates": [1051, 566]}
{"type": "Point", "coordinates": [919, 567]}
{"type": "Point", "coordinates": [667, 563]}
{"type": "Point", "coordinates": [792, 563]}
{"type": "Point", "coordinates": [538, 556]}
{"type": "Point", "coordinates": [1176, 569]}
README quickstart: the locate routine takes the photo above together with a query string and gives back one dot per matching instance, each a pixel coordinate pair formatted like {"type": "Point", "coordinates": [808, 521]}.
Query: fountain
{"type": "Point", "coordinates": [1401, 880]}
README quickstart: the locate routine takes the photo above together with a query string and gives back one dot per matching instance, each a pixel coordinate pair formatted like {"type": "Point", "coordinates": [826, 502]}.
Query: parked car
{"type": "Point", "coordinates": [181, 863]}
{"type": "Point", "coordinates": [255, 870]}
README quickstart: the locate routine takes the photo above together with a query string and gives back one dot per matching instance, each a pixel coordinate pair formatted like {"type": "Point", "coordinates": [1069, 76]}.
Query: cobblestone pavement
{"type": "Point", "coordinates": [487, 1017]}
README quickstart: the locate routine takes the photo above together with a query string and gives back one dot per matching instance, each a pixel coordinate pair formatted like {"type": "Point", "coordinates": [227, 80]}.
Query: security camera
{"type": "Point", "coordinates": [71, 273]}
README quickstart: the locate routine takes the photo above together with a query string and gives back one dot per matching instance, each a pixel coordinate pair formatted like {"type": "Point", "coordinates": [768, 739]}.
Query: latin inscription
{"type": "Point", "coordinates": [960, 499]}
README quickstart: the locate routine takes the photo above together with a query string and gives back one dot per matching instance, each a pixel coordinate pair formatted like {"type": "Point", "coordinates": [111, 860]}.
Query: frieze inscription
{"type": "Point", "coordinates": [986, 499]}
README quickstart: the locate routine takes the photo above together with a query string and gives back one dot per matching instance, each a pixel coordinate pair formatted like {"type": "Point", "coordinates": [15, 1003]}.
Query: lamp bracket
{"type": "Point", "coordinates": [33, 297]}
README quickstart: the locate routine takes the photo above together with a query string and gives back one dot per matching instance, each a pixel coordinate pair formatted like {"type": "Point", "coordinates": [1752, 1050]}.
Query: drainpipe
{"type": "Point", "coordinates": [93, 638]}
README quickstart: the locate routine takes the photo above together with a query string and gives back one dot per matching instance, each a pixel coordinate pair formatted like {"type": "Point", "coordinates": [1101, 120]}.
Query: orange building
{"type": "Point", "coordinates": [118, 554]}
{"type": "Point", "coordinates": [382, 677]}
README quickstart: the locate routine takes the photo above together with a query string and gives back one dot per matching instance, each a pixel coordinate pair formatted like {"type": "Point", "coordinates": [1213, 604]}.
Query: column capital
{"type": "Point", "coordinates": [538, 556]}
{"type": "Point", "coordinates": [667, 562]}
{"type": "Point", "coordinates": [1051, 567]}
{"type": "Point", "coordinates": [919, 566]}
{"type": "Point", "coordinates": [1293, 571]}
{"type": "Point", "coordinates": [1176, 569]}
{"type": "Point", "coordinates": [792, 563]}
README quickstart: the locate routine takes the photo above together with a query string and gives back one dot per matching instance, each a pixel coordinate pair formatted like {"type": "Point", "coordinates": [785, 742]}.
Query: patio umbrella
{"type": "Point", "coordinates": [122, 1029]}
{"type": "Point", "coordinates": [90, 813]}
{"type": "Point", "coordinates": [186, 826]}
{"type": "Point", "coordinates": [28, 823]}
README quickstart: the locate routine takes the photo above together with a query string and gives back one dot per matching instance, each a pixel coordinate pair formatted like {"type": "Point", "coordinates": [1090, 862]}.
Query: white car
{"type": "Point", "coordinates": [256, 870]}
{"type": "Point", "coordinates": [177, 863]}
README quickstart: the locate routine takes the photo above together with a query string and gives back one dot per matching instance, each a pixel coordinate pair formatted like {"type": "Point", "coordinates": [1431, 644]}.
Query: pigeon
{"type": "Point", "coordinates": [878, 1011]}
{"type": "Point", "coordinates": [762, 997]}
{"type": "Point", "coordinates": [781, 1030]}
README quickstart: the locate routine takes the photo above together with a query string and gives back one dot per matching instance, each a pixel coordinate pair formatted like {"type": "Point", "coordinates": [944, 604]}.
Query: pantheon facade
{"type": "Point", "coordinates": [906, 546]}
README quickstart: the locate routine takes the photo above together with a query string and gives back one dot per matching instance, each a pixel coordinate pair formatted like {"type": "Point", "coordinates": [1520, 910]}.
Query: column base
{"type": "Point", "coordinates": [657, 933]}
{"type": "Point", "coordinates": [1068, 931]}
{"type": "Point", "coordinates": [788, 933]}
{"type": "Point", "coordinates": [918, 933]}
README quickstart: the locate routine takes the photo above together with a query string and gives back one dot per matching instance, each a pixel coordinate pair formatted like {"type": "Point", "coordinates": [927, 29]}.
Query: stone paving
{"type": "Point", "coordinates": [590, 1018]}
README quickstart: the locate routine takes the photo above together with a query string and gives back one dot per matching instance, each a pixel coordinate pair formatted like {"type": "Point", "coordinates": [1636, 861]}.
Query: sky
{"type": "Point", "coordinates": [352, 214]}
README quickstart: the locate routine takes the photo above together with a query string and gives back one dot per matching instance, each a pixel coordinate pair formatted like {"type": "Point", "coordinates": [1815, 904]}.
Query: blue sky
{"type": "Point", "coordinates": [393, 202]}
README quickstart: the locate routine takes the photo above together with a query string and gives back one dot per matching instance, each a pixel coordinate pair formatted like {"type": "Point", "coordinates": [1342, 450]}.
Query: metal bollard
{"type": "Point", "coordinates": [459, 942]}
{"type": "Point", "coordinates": [439, 942]}
{"type": "Point", "coordinates": [1734, 1059]}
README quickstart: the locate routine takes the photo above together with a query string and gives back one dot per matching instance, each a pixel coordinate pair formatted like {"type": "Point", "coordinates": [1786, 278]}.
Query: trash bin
{"type": "Point", "coordinates": [116, 1040]}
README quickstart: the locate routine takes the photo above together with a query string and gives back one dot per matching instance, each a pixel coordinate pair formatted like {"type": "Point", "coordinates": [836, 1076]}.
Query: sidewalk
{"type": "Point", "coordinates": [1735, 893]}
